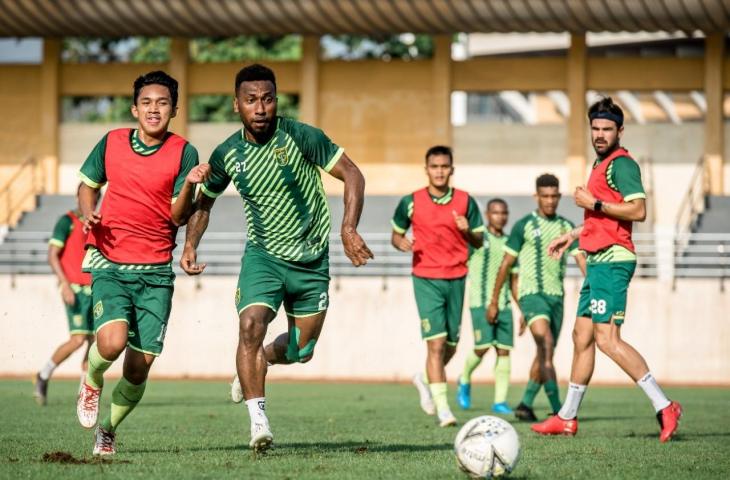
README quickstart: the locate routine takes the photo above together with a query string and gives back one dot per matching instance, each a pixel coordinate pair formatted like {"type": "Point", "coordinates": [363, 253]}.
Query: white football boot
{"type": "Point", "coordinates": [87, 405]}
{"type": "Point", "coordinates": [261, 437]}
{"type": "Point", "coordinates": [424, 393]}
{"type": "Point", "coordinates": [105, 443]}
{"type": "Point", "coordinates": [236, 391]}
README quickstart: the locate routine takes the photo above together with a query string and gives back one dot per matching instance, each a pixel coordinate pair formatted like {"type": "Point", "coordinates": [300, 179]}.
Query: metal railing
{"type": "Point", "coordinates": [668, 256]}
{"type": "Point", "coordinates": [19, 191]}
{"type": "Point", "coordinates": [694, 201]}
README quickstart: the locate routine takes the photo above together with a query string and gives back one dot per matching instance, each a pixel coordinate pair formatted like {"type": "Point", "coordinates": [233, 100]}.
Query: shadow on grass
{"type": "Point", "coordinates": [606, 418]}
{"type": "Point", "coordinates": [682, 436]}
{"type": "Point", "coordinates": [358, 448]}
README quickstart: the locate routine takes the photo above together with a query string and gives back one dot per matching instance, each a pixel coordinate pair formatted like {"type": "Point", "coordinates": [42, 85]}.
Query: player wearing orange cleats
{"type": "Point", "coordinates": [613, 200]}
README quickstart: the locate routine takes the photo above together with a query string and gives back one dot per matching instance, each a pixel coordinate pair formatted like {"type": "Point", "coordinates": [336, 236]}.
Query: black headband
{"type": "Point", "coordinates": [618, 119]}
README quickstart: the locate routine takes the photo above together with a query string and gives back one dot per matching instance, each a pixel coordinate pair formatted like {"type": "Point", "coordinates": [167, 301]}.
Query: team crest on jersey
{"type": "Point", "coordinates": [426, 325]}
{"type": "Point", "coordinates": [98, 310]}
{"type": "Point", "coordinates": [536, 233]}
{"type": "Point", "coordinates": [281, 157]}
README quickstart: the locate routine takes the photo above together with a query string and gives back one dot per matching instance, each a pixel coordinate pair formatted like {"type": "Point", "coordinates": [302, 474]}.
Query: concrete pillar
{"type": "Point", "coordinates": [50, 113]}
{"type": "Point", "coordinates": [714, 131]}
{"type": "Point", "coordinates": [309, 92]}
{"type": "Point", "coordinates": [441, 87]}
{"type": "Point", "coordinates": [178, 68]}
{"type": "Point", "coordinates": [576, 134]}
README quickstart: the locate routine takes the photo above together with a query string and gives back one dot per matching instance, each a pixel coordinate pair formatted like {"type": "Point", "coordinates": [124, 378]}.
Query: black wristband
{"type": "Point", "coordinates": [597, 206]}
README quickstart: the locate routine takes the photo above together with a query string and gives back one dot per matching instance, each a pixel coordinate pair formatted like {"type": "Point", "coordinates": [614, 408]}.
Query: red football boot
{"type": "Point", "coordinates": [669, 421]}
{"type": "Point", "coordinates": [555, 425]}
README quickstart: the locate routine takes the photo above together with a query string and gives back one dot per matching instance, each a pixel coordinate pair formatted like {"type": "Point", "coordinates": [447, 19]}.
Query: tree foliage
{"type": "Point", "coordinates": [217, 108]}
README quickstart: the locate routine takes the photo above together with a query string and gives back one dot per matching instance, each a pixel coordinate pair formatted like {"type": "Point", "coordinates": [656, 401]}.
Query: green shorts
{"type": "Point", "coordinates": [439, 305]}
{"type": "Point", "coordinates": [549, 307]}
{"type": "Point", "coordinates": [603, 295]}
{"type": "Point", "coordinates": [500, 335]}
{"type": "Point", "coordinates": [80, 319]}
{"type": "Point", "coordinates": [266, 280]}
{"type": "Point", "coordinates": [143, 300]}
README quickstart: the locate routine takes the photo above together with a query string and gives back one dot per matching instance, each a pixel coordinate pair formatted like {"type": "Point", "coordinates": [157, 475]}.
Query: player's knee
{"type": "Point", "coordinates": [605, 343]}
{"type": "Point", "coordinates": [136, 377]}
{"type": "Point", "coordinates": [250, 333]}
{"type": "Point", "coordinates": [77, 340]}
{"type": "Point", "coordinates": [111, 347]}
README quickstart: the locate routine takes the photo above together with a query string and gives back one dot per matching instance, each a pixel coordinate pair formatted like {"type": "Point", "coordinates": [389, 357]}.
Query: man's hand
{"type": "Point", "coordinates": [355, 248]}
{"type": "Point", "coordinates": [188, 262]}
{"type": "Point", "coordinates": [558, 246]}
{"type": "Point", "coordinates": [67, 294]}
{"type": "Point", "coordinates": [90, 221]}
{"type": "Point", "coordinates": [199, 174]}
{"type": "Point", "coordinates": [404, 245]}
{"type": "Point", "coordinates": [492, 311]}
{"type": "Point", "coordinates": [584, 199]}
{"type": "Point", "coordinates": [461, 222]}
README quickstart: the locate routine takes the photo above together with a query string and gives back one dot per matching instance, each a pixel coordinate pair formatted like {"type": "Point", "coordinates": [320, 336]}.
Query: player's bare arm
{"type": "Point", "coordinates": [504, 272]}
{"type": "Point", "coordinates": [355, 247]}
{"type": "Point", "coordinates": [54, 260]}
{"type": "Point", "coordinates": [557, 247]}
{"type": "Point", "coordinates": [580, 259]}
{"type": "Point", "coordinates": [631, 211]}
{"type": "Point", "coordinates": [475, 239]}
{"type": "Point", "coordinates": [182, 208]}
{"type": "Point", "coordinates": [197, 224]}
{"type": "Point", "coordinates": [87, 204]}
{"type": "Point", "coordinates": [514, 290]}
{"type": "Point", "coordinates": [401, 242]}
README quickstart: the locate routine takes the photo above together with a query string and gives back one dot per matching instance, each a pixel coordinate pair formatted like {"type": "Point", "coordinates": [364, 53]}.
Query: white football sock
{"type": "Point", "coordinates": [48, 369]}
{"type": "Point", "coordinates": [654, 392]}
{"type": "Point", "coordinates": [257, 410]}
{"type": "Point", "coordinates": [570, 407]}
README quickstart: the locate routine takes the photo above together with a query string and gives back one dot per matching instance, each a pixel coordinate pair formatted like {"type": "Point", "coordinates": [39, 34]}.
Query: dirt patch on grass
{"type": "Point", "coordinates": [68, 459]}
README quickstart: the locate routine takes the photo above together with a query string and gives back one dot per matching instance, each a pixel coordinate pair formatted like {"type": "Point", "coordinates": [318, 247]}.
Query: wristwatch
{"type": "Point", "coordinates": [597, 206]}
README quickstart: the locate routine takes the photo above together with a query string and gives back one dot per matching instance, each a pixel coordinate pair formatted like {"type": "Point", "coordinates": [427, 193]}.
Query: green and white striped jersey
{"type": "Point", "coordinates": [283, 198]}
{"type": "Point", "coordinates": [484, 266]}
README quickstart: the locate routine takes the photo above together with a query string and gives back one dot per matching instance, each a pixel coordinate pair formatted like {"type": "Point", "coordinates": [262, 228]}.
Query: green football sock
{"type": "Point", "coordinates": [531, 391]}
{"type": "Point", "coordinates": [126, 396]}
{"type": "Point", "coordinates": [472, 362]}
{"type": "Point", "coordinates": [439, 393]}
{"type": "Point", "coordinates": [501, 378]}
{"type": "Point", "coordinates": [97, 366]}
{"type": "Point", "coordinates": [553, 394]}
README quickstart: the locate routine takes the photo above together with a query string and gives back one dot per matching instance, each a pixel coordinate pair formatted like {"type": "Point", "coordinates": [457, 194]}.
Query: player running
{"type": "Point", "coordinates": [151, 174]}
{"type": "Point", "coordinates": [484, 264]}
{"type": "Point", "coordinates": [66, 250]}
{"type": "Point", "coordinates": [540, 288]}
{"type": "Point", "coordinates": [445, 222]}
{"type": "Point", "coordinates": [273, 162]}
{"type": "Point", "coordinates": [613, 200]}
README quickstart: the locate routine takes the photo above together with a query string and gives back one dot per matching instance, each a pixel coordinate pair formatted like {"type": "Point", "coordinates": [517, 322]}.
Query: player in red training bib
{"type": "Point", "coordinates": [445, 223]}
{"type": "Point", "coordinates": [613, 200]}
{"type": "Point", "coordinates": [151, 174]}
{"type": "Point", "coordinates": [66, 250]}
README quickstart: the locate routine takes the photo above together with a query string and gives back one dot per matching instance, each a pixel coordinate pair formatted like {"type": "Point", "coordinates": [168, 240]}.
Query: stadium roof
{"type": "Point", "coordinates": [192, 18]}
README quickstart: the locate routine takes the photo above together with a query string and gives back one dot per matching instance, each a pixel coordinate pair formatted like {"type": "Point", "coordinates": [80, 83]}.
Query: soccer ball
{"type": "Point", "coordinates": [487, 447]}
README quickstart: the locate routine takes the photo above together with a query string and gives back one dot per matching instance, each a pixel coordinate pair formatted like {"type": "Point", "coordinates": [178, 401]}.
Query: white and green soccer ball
{"type": "Point", "coordinates": [487, 447]}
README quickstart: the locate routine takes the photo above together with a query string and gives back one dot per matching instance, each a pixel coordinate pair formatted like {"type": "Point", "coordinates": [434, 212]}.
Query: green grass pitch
{"type": "Point", "coordinates": [187, 429]}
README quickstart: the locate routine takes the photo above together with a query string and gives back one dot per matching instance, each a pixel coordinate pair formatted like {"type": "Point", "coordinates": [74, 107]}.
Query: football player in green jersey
{"type": "Point", "coordinates": [484, 264]}
{"type": "Point", "coordinates": [540, 287]}
{"type": "Point", "coordinates": [274, 164]}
